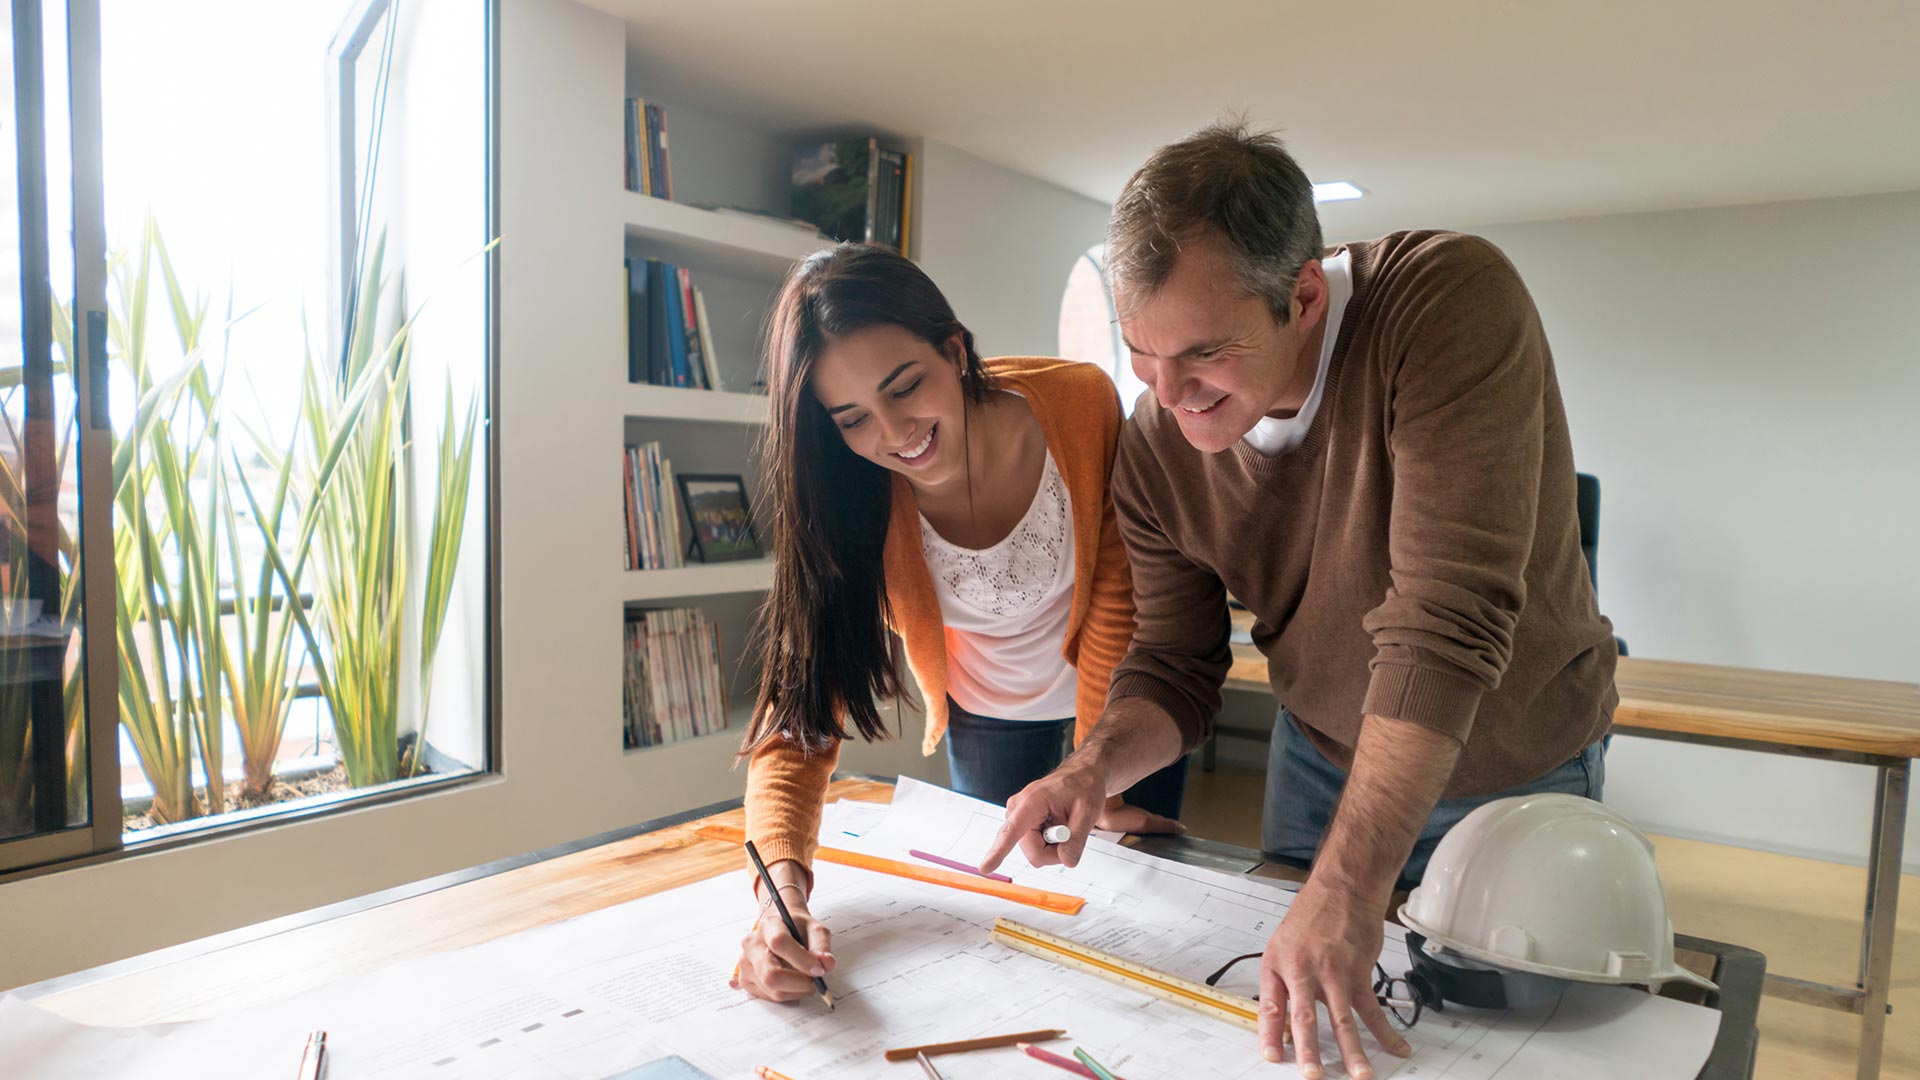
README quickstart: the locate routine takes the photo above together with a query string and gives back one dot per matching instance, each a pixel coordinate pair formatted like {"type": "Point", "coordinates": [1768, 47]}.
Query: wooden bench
{"type": "Point", "coordinates": [1854, 721]}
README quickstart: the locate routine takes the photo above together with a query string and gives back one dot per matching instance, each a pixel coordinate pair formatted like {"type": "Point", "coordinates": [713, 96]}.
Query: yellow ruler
{"type": "Point", "coordinates": [1186, 993]}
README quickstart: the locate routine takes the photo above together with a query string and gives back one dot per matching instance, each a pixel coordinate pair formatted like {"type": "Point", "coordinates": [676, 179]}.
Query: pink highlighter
{"type": "Point", "coordinates": [960, 866]}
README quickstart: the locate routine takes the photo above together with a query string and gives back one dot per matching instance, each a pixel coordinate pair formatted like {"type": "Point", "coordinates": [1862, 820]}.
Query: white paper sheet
{"type": "Point", "coordinates": [595, 995]}
{"type": "Point", "coordinates": [845, 818]}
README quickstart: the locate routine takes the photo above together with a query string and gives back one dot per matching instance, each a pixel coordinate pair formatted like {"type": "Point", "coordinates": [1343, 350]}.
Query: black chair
{"type": "Point", "coordinates": [1587, 506]}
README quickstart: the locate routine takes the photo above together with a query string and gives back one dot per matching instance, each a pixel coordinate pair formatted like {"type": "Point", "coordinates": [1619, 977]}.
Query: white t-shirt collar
{"type": "Point", "coordinates": [1273, 437]}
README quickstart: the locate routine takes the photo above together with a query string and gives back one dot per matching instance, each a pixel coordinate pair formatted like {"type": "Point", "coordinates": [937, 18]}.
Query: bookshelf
{"type": "Point", "coordinates": [565, 410]}
{"type": "Point", "coordinates": [738, 261]}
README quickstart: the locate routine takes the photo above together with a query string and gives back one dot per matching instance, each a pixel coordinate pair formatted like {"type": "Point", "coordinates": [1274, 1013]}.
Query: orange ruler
{"type": "Point", "coordinates": [952, 879]}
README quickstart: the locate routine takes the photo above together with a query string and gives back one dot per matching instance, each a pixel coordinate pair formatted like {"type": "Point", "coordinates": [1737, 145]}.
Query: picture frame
{"type": "Point", "coordinates": [719, 517]}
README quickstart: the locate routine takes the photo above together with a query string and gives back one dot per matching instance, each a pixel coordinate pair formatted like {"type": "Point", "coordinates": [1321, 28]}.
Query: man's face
{"type": "Point", "coordinates": [1215, 357]}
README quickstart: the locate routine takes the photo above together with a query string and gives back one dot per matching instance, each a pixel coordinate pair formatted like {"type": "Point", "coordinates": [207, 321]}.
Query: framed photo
{"type": "Point", "coordinates": [717, 518]}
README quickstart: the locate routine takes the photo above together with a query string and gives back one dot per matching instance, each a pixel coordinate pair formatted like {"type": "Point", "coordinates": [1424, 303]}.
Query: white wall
{"type": "Point", "coordinates": [1000, 245]}
{"type": "Point", "coordinates": [1744, 382]}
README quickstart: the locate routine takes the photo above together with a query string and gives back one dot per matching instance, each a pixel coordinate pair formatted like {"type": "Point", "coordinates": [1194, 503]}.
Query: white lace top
{"type": "Point", "coordinates": [1006, 609]}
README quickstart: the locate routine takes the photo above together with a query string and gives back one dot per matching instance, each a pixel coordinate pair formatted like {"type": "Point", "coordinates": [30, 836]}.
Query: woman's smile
{"type": "Point", "coordinates": [919, 453]}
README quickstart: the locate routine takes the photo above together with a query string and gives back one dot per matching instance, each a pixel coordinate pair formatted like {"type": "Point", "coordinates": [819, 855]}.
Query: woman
{"type": "Point", "coordinates": [961, 503]}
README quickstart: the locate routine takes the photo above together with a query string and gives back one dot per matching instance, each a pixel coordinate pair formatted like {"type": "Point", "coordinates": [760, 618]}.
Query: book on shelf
{"type": "Point", "coordinates": [638, 322]}
{"type": "Point", "coordinates": [892, 171]}
{"type": "Point", "coordinates": [690, 326]}
{"type": "Point", "coordinates": [655, 537]}
{"type": "Point", "coordinates": [673, 684]}
{"type": "Point", "coordinates": [669, 339]}
{"type": "Point", "coordinates": [707, 354]}
{"type": "Point", "coordinates": [853, 189]}
{"type": "Point", "coordinates": [649, 166]}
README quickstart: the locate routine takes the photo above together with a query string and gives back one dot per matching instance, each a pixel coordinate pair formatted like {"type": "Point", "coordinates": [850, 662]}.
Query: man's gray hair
{"type": "Point", "coordinates": [1227, 182]}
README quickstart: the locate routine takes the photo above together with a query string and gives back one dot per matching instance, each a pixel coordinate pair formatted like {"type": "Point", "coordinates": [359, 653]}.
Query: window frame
{"type": "Point", "coordinates": [101, 840]}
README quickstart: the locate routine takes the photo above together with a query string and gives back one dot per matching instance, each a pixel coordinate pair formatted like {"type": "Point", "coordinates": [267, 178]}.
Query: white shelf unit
{"type": "Point", "coordinates": [735, 244]}
{"type": "Point", "coordinates": [738, 261]}
{"type": "Point", "coordinates": [647, 402]}
{"type": "Point", "coordinates": [696, 579]}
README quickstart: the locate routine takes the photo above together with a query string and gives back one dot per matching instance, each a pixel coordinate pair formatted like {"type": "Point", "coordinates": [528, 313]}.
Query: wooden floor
{"type": "Point", "coordinates": [1803, 913]}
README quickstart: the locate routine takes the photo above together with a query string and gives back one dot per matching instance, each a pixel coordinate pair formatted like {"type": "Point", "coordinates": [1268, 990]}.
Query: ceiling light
{"type": "Point", "coordinates": [1336, 191]}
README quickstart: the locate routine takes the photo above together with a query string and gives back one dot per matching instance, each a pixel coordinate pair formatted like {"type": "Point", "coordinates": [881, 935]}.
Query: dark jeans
{"type": "Point", "coordinates": [993, 759]}
{"type": "Point", "coordinates": [1303, 788]}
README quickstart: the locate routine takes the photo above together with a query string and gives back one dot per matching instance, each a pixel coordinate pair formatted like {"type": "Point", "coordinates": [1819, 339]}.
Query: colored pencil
{"type": "Point", "coordinates": [960, 866]}
{"type": "Point", "coordinates": [1057, 1061]}
{"type": "Point", "coordinates": [1087, 1060]}
{"type": "Point", "coordinates": [765, 1073]}
{"type": "Point", "coordinates": [932, 1073]}
{"type": "Point", "coordinates": [988, 1042]}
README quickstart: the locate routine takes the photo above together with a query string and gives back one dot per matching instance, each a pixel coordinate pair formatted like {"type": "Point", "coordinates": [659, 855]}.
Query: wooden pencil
{"type": "Point", "coordinates": [988, 1042]}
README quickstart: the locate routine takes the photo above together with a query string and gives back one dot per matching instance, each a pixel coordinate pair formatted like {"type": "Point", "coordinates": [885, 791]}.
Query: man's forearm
{"type": "Point", "coordinates": [1129, 744]}
{"type": "Point", "coordinates": [1399, 771]}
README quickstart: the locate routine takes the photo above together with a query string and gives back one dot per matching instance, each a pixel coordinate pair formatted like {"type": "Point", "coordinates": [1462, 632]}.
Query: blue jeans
{"type": "Point", "coordinates": [1303, 786]}
{"type": "Point", "coordinates": [993, 759]}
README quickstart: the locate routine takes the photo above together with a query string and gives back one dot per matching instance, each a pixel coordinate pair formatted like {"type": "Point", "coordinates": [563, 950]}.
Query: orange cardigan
{"type": "Point", "coordinates": [1079, 414]}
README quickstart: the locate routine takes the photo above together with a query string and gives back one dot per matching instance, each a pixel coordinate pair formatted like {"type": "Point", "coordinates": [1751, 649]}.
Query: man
{"type": "Point", "coordinates": [1367, 448]}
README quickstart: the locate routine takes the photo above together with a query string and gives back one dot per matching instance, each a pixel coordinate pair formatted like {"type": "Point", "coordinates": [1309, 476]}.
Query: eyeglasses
{"type": "Point", "coordinates": [1396, 995]}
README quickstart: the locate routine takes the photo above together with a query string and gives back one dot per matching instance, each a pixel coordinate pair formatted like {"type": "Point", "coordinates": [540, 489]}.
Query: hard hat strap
{"type": "Point", "coordinates": [1436, 983]}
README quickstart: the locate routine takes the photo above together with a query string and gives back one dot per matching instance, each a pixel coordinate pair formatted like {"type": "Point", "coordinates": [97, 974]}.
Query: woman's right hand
{"type": "Point", "coordinates": [773, 966]}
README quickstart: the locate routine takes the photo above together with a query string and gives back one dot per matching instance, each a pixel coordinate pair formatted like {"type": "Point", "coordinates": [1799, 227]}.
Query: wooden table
{"type": "Point", "coordinates": [304, 952]}
{"type": "Point", "coordinates": [1855, 721]}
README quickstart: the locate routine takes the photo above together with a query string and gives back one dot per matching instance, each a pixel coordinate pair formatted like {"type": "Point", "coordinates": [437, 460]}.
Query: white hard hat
{"type": "Point", "coordinates": [1550, 885]}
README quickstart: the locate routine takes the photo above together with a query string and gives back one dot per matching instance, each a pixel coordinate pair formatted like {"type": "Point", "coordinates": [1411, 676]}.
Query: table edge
{"type": "Point", "coordinates": [244, 935]}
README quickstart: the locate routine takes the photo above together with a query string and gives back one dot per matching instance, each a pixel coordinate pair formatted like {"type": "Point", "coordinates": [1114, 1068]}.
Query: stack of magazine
{"type": "Point", "coordinates": [673, 685]}
{"type": "Point", "coordinates": [656, 538]}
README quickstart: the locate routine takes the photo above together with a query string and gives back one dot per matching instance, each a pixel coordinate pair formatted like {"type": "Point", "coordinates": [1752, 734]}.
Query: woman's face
{"type": "Point", "coordinates": [897, 401]}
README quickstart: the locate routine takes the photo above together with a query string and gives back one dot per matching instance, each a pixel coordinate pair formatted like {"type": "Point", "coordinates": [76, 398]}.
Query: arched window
{"type": "Point", "coordinates": [1090, 328]}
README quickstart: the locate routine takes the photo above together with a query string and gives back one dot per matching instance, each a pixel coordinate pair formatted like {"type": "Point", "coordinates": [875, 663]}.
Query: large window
{"type": "Point", "coordinates": [296, 354]}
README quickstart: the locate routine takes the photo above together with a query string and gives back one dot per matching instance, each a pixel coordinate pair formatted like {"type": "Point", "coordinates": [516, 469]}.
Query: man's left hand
{"type": "Point", "coordinates": [1125, 817]}
{"type": "Point", "coordinates": [1324, 951]}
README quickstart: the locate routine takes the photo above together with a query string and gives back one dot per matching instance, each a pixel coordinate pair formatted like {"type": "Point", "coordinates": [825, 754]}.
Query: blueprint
{"type": "Point", "coordinates": [596, 995]}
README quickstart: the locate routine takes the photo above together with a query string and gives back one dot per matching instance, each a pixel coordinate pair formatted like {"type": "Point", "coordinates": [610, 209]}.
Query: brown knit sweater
{"type": "Point", "coordinates": [1416, 557]}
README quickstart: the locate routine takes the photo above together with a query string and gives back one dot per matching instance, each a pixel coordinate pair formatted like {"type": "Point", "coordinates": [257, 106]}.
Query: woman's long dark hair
{"type": "Point", "coordinates": [824, 646]}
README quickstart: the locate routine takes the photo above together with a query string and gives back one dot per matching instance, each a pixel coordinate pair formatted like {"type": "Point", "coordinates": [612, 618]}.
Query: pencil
{"type": "Point", "coordinates": [1087, 1060]}
{"type": "Point", "coordinates": [953, 865]}
{"type": "Point", "coordinates": [765, 1073]}
{"type": "Point", "coordinates": [1057, 1061]}
{"type": "Point", "coordinates": [906, 1053]}
{"type": "Point", "coordinates": [819, 984]}
{"type": "Point", "coordinates": [932, 1073]}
